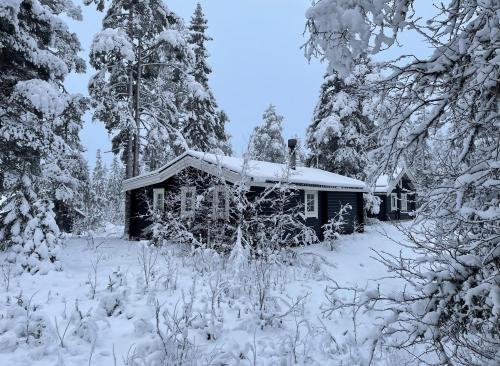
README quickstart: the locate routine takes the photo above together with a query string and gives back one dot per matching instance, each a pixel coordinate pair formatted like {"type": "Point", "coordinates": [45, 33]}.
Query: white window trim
{"type": "Point", "coordinates": [215, 203]}
{"type": "Point", "coordinates": [394, 200]}
{"type": "Point", "coordinates": [404, 202]}
{"type": "Point", "coordinates": [188, 211]}
{"type": "Point", "coordinates": [156, 192]}
{"type": "Point", "coordinates": [311, 213]}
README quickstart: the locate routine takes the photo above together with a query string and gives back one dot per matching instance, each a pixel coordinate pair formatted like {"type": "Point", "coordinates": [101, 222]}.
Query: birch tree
{"type": "Point", "coordinates": [451, 305]}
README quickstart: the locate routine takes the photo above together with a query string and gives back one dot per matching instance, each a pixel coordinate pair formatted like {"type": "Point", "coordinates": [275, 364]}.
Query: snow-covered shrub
{"type": "Point", "coordinates": [24, 322]}
{"type": "Point", "coordinates": [168, 227]}
{"type": "Point", "coordinates": [217, 286]}
{"type": "Point", "coordinates": [92, 276]}
{"type": "Point", "coordinates": [371, 203]}
{"type": "Point", "coordinates": [85, 326]}
{"type": "Point", "coordinates": [297, 345]}
{"type": "Point", "coordinates": [6, 271]}
{"type": "Point", "coordinates": [238, 265]}
{"type": "Point", "coordinates": [37, 252]}
{"type": "Point", "coordinates": [335, 226]}
{"type": "Point", "coordinates": [112, 302]}
{"type": "Point", "coordinates": [147, 257]}
{"type": "Point", "coordinates": [170, 342]}
{"type": "Point", "coordinates": [206, 261]}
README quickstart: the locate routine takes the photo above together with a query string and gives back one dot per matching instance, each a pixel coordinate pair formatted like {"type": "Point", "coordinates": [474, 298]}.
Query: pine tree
{"type": "Point", "coordinates": [338, 135]}
{"type": "Point", "coordinates": [143, 63]}
{"type": "Point", "coordinates": [39, 122]}
{"type": "Point", "coordinates": [141, 57]}
{"type": "Point", "coordinates": [267, 142]}
{"type": "Point", "coordinates": [204, 125]}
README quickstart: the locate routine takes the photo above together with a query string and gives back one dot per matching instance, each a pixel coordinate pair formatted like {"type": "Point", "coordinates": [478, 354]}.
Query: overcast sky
{"type": "Point", "coordinates": [256, 58]}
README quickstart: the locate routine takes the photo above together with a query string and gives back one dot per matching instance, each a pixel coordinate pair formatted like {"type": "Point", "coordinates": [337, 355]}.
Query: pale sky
{"type": "Point", "coordinates": [256, 58]}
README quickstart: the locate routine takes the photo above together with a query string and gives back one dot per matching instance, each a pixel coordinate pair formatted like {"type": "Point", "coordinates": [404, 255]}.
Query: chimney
{"type": "Point", "coordinates": [292, 152]}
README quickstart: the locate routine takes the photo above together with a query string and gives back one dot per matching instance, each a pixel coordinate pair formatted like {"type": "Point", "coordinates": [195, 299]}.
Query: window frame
{"type": "Point", "coordinates": [394, 201]}
{"type": "Point", "coordinates": [185, 212]}
{"type": "Point", "coordinates": [156, 207]}
{"type": "Point", "coordinates": [216, 214]}
{"type": "Point", "coordinates": [314, 213]}
{"type": "Point", "coordinates": [404, 202]}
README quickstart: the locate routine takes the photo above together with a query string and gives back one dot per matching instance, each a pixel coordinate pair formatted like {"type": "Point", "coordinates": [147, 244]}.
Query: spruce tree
{"type": "Point", "coordinates": [338, 137]}
{"type": "Point", "coordinates": [39, 124]}
{"type": "Point", "coordinates": [222, 136]}
{"type": "Point", "coordinates": [99, 192]}
{"type": "Point", "coordinates": [267, 141]}
{"type": "Point", "coordinates": [204, 125]}
{"type": "Point", "coordinates": [114, 192]}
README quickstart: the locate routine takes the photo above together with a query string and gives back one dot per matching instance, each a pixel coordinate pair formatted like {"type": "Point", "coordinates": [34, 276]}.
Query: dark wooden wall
{"type": "Point", "coordinates": [328, 204]}
{"type": "Point", "coordinates": [386, 214]}
{"type": "Point", "coordinates": [142, 198]}
{"type": "Point", "coordinates": [354, 218]}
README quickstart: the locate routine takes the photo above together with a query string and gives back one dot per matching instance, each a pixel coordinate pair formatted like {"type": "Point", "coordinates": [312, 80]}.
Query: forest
{"type": "Point", "coordinates": [226, 273]}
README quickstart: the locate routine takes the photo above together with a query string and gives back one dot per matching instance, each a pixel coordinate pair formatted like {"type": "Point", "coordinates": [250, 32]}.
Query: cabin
{"type": "Point", "coordinates": [319, 194]}
{"type": "Point", "coordinates": [398, 196]}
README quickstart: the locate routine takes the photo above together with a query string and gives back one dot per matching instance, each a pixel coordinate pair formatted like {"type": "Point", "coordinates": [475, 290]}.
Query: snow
{"type": "Point", "coordinates": [9, 10]}
{"type": "Point", "coordinates": [262, 171]}
{"type": "Point", "coordinates": [43, 96]}
{"type": "Point", "coordinates": [120, 320]}
{"type": "Point", "coordinates": [385, 183]}
{"type": "Point", "coordinates": [113, 40]}
{"type": "Point", "coordinates": [173, 37]}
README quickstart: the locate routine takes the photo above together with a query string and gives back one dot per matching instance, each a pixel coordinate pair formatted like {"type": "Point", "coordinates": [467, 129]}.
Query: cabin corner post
{"type": "Point", "coordinates": [128, 207]}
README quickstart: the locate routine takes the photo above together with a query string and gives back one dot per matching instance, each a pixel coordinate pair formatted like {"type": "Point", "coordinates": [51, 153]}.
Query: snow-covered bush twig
{"type": "Point", "coordinates": [335, 226]}
{"type": "Point", "coordinates": [147, 257]}
{"type": "Point", "coordinates": [7, 271]}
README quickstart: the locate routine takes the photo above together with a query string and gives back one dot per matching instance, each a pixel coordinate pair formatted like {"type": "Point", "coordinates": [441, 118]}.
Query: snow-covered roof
{"type": "Point", "coordinates": [386, 183]}
{"type": "Point", "coordinates": [259, 172]}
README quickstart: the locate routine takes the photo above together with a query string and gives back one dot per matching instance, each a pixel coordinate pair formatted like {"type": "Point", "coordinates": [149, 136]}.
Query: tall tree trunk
{"type": "Point", "coordinates": [137, 141]}
{"type": "Point", "coordinates": [129, 167]}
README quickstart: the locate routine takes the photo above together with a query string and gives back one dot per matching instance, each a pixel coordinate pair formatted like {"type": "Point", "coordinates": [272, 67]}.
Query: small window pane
{"type": "Point", "coordinates": [189, 200]}
{"type": "Point", "coordinates": [404, 202]}
{"type": "Point", "coordinates": [222, 201]}
{"type": "Point", "coordinates": [159, 200]}
{"type": "Point", "coordinates": [310, 202]}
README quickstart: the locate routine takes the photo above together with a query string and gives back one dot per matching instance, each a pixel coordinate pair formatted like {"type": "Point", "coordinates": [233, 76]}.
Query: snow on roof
{"type": "Point", "coordinates": [258, 171]}
{"type": "Point", "coordinates": [382, 184]}
{"type": "Point", "coordinates": [263, 171]}
{"type": "Point", "coordinates": [386, 183]}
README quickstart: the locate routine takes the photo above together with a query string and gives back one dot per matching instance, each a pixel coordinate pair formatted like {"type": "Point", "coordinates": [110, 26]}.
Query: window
{"type": "Point", "coordinates": [404, 202]}
{"type": "Point", "coordinates": [220, 203]}
{"type": "Point", "coordinates": [188, 201]}
{"type": "Point", "coordinates": [311, 203]}
{"type": "Point", "coordinates": [394, 202]}
{"type": "Point", "coordinates": [159, 199]}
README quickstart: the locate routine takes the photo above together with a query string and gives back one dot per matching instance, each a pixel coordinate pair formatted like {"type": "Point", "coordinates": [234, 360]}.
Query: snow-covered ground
{"type": "Point", "coordinates": [211, 310]}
